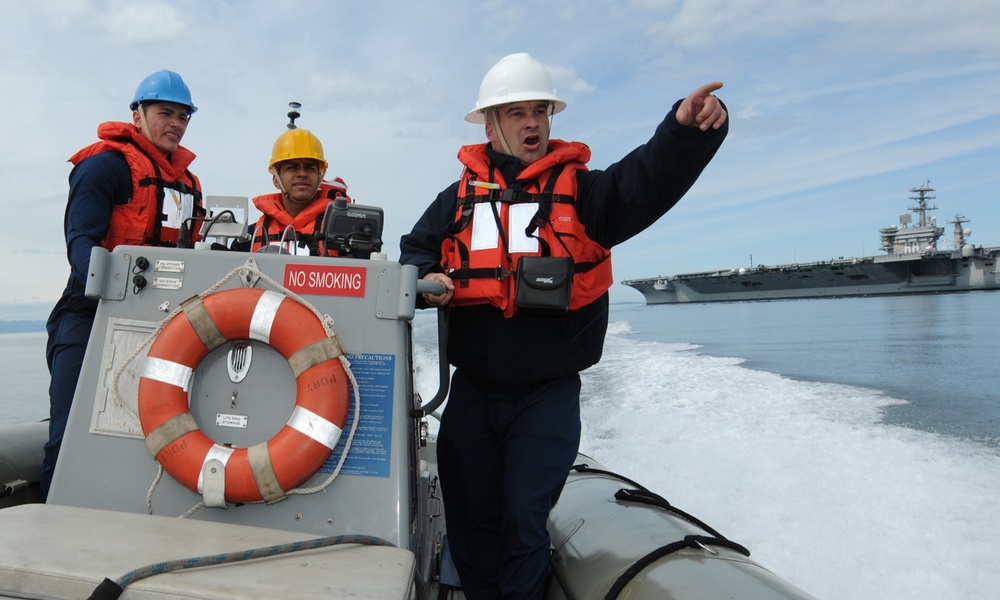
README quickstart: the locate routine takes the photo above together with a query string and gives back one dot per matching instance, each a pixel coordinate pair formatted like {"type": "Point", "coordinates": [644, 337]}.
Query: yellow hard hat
{"type": "Point", "coordinates": [297, 143]}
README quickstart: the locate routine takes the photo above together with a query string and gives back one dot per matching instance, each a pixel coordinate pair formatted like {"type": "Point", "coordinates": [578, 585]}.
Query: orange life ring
{"type": "Point", "coordinates": [267, 470]}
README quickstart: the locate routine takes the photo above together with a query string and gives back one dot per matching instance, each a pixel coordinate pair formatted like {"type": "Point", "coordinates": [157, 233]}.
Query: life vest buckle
{"type": "Point", "coordinates": [505, 195]}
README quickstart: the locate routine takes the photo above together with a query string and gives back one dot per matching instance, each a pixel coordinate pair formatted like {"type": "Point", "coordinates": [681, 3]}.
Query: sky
{"type": "Point", "coordinates": [837, 109]}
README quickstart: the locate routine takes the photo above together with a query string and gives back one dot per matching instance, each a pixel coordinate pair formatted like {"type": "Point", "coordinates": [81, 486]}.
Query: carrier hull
{"type": "Point", "coordinates": [943, 272]}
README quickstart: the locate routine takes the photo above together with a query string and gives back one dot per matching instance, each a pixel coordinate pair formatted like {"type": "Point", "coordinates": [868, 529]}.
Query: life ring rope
{"type": "Point", "coordinates": [303, 420]}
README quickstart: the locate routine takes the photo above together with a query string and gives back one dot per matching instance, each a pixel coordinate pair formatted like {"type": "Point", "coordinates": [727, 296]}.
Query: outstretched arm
{"type": "Point", "coordinates": [631, 194]}
{"type": "Point", "coordinates": [701, 109]}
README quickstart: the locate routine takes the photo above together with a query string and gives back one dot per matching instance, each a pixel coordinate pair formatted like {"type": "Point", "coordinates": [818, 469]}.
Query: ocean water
{"type": "Point", "coordinates": [939, 352]}
{"type": "Point", "coordinates": [851, 445]}
{"type": "Point", "coordinates": [24, 378]}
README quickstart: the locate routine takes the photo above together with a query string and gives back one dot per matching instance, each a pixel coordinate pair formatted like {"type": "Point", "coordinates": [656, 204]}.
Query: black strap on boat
{"type": "Point", "coordinates": [642, 495]}
{"type": "Point", "coordinates": [689, 541]}
{"type": "Point", "coordinates": [585, 468]}
{"type": "Point", "coordinates": [645, 496]}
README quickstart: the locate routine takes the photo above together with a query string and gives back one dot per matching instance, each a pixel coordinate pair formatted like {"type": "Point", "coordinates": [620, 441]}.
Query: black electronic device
{"type": "Point", "coordinates": [352, 230]}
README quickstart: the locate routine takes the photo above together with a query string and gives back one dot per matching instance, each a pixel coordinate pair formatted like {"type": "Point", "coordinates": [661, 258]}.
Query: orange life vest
{"type": "Point", "coordinates": [165, 193]}
{"type": "Point", "coordinates": [494, 226]}
{"type": "Point", "coordinates": [271, 227]}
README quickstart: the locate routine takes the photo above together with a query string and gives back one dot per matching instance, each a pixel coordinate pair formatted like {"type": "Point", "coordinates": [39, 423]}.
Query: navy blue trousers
{"type": "Point", "coordinates": [69, 328]}
{"type": "Point", "coordinates": [502, 466]}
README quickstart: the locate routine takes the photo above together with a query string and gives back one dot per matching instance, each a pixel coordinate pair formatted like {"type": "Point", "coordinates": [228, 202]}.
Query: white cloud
{"type": "Point", "coordinates": [118, 22]}
{"type": "Point", "coordinates": [866, 98]}
{"type": "Point", "coordinates": [151, 22]}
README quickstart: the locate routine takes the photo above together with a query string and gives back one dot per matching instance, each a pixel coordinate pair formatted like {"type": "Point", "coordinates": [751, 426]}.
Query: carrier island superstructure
{"type": "Point", "coordinates": [912, 264]}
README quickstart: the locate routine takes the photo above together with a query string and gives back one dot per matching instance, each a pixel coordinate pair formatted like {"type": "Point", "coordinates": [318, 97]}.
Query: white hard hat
{"type": "Point", "coordinates": [516, 78]}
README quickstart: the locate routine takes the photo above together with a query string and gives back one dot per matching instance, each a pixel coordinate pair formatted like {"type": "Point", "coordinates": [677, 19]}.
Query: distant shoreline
{"type": "Point", "coordinates": [22, 326]}
{"type": "Point", "coordinates": [38, 325]}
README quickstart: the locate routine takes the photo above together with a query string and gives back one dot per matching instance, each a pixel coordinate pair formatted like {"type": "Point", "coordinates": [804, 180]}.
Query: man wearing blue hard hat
{"type": "Point", "coordinates": [132, 187]}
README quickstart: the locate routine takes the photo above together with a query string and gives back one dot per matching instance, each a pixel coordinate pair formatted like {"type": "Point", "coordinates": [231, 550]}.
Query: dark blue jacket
{"type": "Point", "coordinates": [509, 356]}
{"type": "Point", "coordinates": [96, 184]}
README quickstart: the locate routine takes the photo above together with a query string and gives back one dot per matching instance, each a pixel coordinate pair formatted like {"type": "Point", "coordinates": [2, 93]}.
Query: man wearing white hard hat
{"type": "Point", "coordinates": [522, 245]}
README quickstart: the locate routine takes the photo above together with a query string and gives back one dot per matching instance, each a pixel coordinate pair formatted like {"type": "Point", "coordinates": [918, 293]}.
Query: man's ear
{"type": "Point", "coordinates": [274, 179]}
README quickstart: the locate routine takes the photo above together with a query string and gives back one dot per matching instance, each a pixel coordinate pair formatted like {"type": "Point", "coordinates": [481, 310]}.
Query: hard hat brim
{"type": "Point", "coordinates": [478, 114]}
{"type": "Point", "coordinates": [191, 108]}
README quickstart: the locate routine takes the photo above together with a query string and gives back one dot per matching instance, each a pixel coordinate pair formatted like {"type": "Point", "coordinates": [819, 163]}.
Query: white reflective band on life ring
{"type": "Point", "coordinates": [263, 316]}
{"type": "Point", "coordinates": [168, 372]}
{"type": "Point", "coordinates": [220, 453]}
{"type": "Point", "coordinates": [316, 427]}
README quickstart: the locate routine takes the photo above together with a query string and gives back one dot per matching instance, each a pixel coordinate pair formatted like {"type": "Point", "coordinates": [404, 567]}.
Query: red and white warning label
{"type": "Point", "coordinates": [326, 280]}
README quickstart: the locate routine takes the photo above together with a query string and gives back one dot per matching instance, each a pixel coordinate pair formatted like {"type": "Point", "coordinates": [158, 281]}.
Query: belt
{"type": "Point", "coordinates": [74, 284]}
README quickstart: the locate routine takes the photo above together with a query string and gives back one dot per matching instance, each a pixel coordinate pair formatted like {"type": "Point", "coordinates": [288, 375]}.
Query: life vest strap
{"type": "Point", "coordinates": [160, 183]}
{"type": "Point", "coordinates": [465, 274]}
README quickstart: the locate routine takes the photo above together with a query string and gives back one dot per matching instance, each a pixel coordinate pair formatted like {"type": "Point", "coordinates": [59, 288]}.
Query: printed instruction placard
{"type": "Point", "coordinates": [371, 448]}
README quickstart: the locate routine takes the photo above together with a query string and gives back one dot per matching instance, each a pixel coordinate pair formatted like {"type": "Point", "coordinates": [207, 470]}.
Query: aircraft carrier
{"type": "Point", "coordinates": [912, 264]}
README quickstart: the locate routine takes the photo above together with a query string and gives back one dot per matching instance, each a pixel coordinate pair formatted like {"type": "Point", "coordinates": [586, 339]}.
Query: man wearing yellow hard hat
{"type": "Point", "coordinates": [294, 214]}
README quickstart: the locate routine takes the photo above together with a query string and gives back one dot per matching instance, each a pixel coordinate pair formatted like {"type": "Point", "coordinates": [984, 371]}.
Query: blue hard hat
{"type": "Point", "coordinates": [163, 86]}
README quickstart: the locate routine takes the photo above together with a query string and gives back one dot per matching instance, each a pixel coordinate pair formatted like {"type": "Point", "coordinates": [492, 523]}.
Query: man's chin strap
{"type": "Point", "coordinates": [495, 116]}
{"type": "Point", "coordinates": [143, 127]}
{"type": "Point", "coordinates": [281, 184]}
